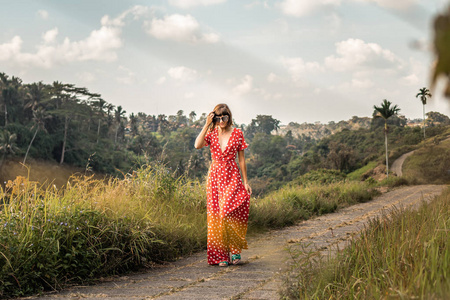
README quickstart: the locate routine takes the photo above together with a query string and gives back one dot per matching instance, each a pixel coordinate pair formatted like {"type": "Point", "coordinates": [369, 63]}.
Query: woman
{"type": "Point", "coordinates": [228, 198]}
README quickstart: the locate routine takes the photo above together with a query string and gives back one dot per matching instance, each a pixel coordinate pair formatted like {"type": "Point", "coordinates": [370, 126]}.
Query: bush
{"type": "Point", "coordinates": [321, 176]}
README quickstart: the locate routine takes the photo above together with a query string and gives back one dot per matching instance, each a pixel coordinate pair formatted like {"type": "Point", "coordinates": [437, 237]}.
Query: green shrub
{"type": "Point", "coordinates": [321, 176]}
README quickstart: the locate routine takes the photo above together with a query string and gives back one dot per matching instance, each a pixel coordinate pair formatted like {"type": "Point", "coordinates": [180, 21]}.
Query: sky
{"type": "Point", "coordinates": [297, 60]}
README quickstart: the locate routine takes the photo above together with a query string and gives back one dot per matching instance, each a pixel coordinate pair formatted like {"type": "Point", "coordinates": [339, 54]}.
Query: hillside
{"type": "Point", "coordinates": [317, 131]}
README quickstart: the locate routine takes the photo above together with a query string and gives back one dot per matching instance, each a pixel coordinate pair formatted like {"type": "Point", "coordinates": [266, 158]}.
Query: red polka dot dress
{"type": "Point", "coordinates": [227, 200]}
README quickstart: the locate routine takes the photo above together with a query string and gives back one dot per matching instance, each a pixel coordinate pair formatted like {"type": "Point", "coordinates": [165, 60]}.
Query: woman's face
{"type": "Point", "coordinates": [222, 121]}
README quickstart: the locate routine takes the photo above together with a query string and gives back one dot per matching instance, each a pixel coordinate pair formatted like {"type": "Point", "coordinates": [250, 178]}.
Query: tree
{"type": "Point", "coordinates": [9, 95]}
{"type": "Point", "coordinates": [7, 144]}
{"type": "Point", "coordinates": [67, 99]}
{"type": "Point", "coordinates": [119, 113]}
{"type": "Point", "coordinates": [192, 116]}
{"type": "Point", "coordinates": [341, 156]}
{"type": "Point", "coordinates": [35, 96]}
{"type": "Point", "coordinates": [133, 125]}
{"type": "Point", "coordinates": [423, 93]}
{"type": "Point", "coordinates": [263, 124]}
{"type": "Point", "coordinates": [385, 111]}
{"type": "Point", "coordinates": [39, 117]}
{"type": "Point", "coordinates": [100, 105]}
{"type": "Point", "coordinates": [435, 117]}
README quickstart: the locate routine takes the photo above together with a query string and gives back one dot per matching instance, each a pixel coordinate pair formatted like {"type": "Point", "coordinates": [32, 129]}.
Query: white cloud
{"type": "Point", "coordinates": [182, 73]}
{"type": "Point", "coordinates": [86, 76]}
{"type": "Point", "coordinates": [411, 80]}
{"type": "Point", "coordinates": [245, 86]}
{"type": "Point", "coordinates": [161, 80]}
{"type": "Point", "coordinates": [395, 4]}
{"type": "Point", "coordinates": [300, 8]}
{"type": "Point", "coordinates": [50, 36]}
{"type": "Point", "coordinates": [298, 68]}
{"type": "Point", "coordinates": [136, 11]}
{"type": "Point", "coordinates": [43, 14]}
{"type": "Point", "coordinates": [179, 28]}
{"type": "Point", "coordinates": [355, 54]}
{"type": "Point", "coordinates": [127, 77]}
{"type": "Point", "coordinates": [192, 3]}
{"type": "Point", "coordinates": [10, 49]}
{"type": "Point", "coordinates": [362, 83]}
{"type": "Point", "coordinates": [189, 95]}
{"type": "Point", "coordinates": [100, 45]}
{"type": "Point", "coordinates": [272, 77]}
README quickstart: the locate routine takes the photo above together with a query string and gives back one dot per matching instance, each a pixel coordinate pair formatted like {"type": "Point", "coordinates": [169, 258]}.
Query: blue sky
{"type": "Point", "coordinates": [297, 60]}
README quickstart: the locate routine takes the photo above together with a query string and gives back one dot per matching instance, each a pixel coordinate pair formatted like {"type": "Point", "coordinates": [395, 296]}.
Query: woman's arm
{"type": "Point", "coordinates": [243, 167]}
{"type": "Point", "coordinates": [200, 140]}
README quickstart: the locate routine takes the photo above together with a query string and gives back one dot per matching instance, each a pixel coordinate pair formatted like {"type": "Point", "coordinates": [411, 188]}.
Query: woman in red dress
{"type": "Point", "coordinates": [228, 198]}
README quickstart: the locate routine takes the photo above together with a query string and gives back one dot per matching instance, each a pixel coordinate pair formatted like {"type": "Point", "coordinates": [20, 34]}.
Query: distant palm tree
{"type": "Point", "coordinates": [100, 106]}
{"type": "Point", "coordinates": [7, 144]}
{"type": "Point", "coordinates": [385, 111]}
{"type": "Point", "coordinates": [423, 93]}
{"type": "Point", "coordinates": [39, 117]}
{"type": "Point", "coordinates": [119, 113]}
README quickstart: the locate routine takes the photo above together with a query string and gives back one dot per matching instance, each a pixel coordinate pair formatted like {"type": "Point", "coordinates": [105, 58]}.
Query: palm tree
{"type": "Point", "coordinates": [9, 95]}
{"type": "Point", "coordinates": [39, 117]}
{"type": "Point", "coordinates": [100, 106]}
{"type": "Point", "coordinates": [119, 113]}
{"type": "Point", "coordinates": [423, 93]}
{"type": "Point", "coordinates": [7, 144]}
{"type": "Point", "coordinates": [385, 111]}
{"type": "Point", "coordinates": [133, 124]}
{"type": "Point", "coordinates": [35, 96]}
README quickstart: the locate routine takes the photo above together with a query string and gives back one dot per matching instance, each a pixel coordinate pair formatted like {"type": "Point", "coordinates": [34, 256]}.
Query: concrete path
{"type": "Point", "coordinates": [397, 166]}
{"type": "Point", "coordinates": [266, 262]}
{"type": "Point", "coordinates": [398, 163]}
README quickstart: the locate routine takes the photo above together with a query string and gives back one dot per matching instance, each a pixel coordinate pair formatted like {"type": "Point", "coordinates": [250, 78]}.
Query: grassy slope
{"type": "Point", "coordinates": [402, 256]}
{"type": "Point", "coordinates": [430, 163]}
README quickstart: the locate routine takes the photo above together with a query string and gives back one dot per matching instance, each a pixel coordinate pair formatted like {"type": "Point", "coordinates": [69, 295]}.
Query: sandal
{"type": "Point", "coordinates": [235, 258]}
{"type": "Point", "coordinates": [223, 264]}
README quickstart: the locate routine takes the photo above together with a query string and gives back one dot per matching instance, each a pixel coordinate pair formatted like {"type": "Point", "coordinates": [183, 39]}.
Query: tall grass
{"type": "Point", "coordinates": [405, 255]}
{"type": "Point", "coordinates": [294, 202]}
{"type": "Point", "coordinates": [50, 237]}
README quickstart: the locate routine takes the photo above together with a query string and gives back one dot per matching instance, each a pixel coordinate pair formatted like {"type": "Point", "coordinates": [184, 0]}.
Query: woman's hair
{"type": "Point", "coordinates": [220, 110]}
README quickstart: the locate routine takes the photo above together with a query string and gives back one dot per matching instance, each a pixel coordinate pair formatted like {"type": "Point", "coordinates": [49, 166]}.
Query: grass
{"type": "Point", "coordinates": [292, 203]}
{"type": "Point", "coordinates": [357, 174]}
{"type": "Point", "coordinates": [51, 237]}
{"type": "Point", "coordinates": [404, 255]}
{"type": "Point", "coordinates": [430, 164]}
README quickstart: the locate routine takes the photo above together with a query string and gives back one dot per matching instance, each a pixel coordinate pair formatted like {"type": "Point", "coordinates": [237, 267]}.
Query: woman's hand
{"type": "Point", "coordinates": [248, 188]}
{"type": "Point", "coordinates": [209, 118]}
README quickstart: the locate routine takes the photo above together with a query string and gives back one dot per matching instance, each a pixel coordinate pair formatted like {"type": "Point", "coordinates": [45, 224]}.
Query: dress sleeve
{"type": "Point", "coordinates": [241, 142]}
{"type": "Point", "coordinates": [208, 138]}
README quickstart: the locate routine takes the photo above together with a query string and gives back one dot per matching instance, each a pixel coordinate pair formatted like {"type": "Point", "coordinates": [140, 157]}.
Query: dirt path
{"type": "Point", "coordinates": [259, 277]}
